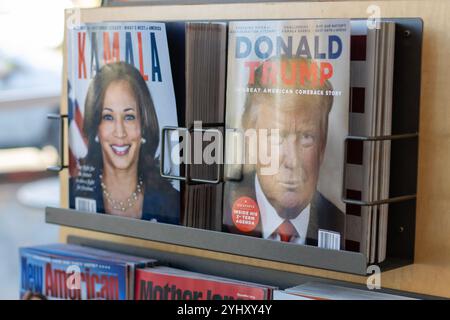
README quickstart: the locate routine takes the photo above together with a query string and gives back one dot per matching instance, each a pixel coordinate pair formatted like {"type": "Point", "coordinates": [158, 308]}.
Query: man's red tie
{"type": "Point", "coordinates": [286, 231]}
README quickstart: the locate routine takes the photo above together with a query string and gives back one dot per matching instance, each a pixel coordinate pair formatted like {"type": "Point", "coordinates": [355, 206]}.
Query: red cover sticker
{"type": "Point", "coordinates": [245, 214]}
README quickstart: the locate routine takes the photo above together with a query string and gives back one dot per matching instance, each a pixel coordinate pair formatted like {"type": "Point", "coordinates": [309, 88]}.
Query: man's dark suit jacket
{"type": "Point", "coordinates": [323, 213]}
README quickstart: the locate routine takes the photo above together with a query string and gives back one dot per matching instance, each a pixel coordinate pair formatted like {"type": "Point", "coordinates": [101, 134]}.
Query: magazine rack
{"type": "Point", "coordinates": [422, 234]}
{"type": "Point", "coordinates": [400, 249]}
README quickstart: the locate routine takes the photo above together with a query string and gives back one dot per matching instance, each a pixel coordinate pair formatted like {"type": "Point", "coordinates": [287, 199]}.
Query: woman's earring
{"type": "Point", "coordinates": [96, 139]}
{"type": "Point", "coordinates": [143, 141]}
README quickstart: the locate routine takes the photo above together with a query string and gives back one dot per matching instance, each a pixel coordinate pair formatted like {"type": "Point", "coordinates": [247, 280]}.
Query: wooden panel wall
{"type": "Point", "coordinates": [430, 274]}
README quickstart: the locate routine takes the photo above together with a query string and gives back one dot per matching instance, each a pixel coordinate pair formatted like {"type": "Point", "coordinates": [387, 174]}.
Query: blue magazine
{"type": "Point", "coordinates": [77, 273]}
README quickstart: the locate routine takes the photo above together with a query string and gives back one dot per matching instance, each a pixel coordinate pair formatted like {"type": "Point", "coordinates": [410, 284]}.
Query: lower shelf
{"type": "Point", "coordinates": [276, 278]}
{"type": "Point", "coordinates": [310, 256]}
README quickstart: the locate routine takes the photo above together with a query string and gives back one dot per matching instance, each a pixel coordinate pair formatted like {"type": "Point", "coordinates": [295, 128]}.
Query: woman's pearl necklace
{"type": "Point", "coordinates": [125, 204]}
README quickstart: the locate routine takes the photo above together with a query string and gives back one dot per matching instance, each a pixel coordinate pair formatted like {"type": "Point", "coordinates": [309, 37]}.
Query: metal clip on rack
{"type": "Point", "coordinates": [209, 127]}
{"type": "Point", "coordinates": [373, 139]}
{"type": "Point", "coordinates": [61, 165]}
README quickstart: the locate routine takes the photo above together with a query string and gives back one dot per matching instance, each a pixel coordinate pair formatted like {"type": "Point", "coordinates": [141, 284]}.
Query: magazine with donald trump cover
{"type": "Point", "coordinates": [121, 94]}
{"type": "Point", "coordinates": [287, 116]}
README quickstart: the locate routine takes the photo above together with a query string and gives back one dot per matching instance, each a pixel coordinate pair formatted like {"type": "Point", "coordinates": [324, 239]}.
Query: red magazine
{"type": "Point", "coordinates": [162, 283]}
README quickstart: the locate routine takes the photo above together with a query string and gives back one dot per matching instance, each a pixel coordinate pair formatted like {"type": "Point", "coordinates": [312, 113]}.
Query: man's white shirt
{"type": "Point", "coordinates": [270, 220]}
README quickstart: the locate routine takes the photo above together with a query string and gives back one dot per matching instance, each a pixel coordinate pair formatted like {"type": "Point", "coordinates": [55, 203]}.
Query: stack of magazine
{"type": "Point", "coordinates": [70, 272]}
{"type": "Point", "coordinates": [165, 283]}
{"type": "Point", "coordinates": [205, 105]}
{"type": "Point", "coordinates": [368, 163]}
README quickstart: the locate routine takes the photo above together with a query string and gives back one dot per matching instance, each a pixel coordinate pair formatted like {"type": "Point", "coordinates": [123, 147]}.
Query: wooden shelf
{"type": "Point", "coordinates": [277, 278]}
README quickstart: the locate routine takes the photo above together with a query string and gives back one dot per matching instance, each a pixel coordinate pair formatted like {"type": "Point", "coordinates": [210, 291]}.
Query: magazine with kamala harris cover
{"type": "Point", "coordinates": [287, 116]}
{"type": "Point", "coordinates": [121, 94]}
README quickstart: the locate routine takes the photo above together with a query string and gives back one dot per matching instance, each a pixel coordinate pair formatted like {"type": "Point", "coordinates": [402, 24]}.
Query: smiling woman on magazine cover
{"type": "Point", "coordinates": [122, 132]}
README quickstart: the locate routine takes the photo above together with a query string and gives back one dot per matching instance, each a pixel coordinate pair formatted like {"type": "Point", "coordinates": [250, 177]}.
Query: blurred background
{"type": "Point", "coordinates": [31, 43]}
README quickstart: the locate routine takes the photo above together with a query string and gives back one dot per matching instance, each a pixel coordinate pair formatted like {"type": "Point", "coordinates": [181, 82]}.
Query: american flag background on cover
{"type": "Point", "coordinates": [80, 42]}
{"type": "Point", "coordinates": [93, 45]}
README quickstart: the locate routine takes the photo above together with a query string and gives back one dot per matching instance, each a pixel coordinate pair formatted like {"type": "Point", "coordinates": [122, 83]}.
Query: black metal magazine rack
{"type": "Point", "coordinates": [403, 185]}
